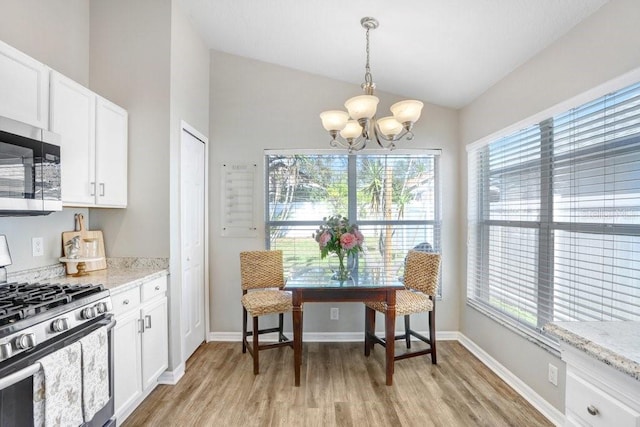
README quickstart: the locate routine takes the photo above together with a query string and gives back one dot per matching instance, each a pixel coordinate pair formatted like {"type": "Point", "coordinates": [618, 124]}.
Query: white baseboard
{"type": "Point", "coordinates": [172, 377]}
{"type": "Point", "coordinates": [544, 407]}
{"type": "Point", "coordinates": [321, 336]}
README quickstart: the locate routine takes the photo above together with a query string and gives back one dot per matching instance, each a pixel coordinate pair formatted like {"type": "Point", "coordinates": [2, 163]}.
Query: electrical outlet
{"type": "Point", "coordinates": [335, 313]}
{"type": "Point", "coordinates": [553, 374]}
{"type": "Point", "coordinates": [37, 246]}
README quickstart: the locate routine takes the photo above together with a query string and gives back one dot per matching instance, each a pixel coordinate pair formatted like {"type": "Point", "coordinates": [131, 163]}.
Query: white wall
{"type": "Point", "coordinates": [189, 101]}
{"type": "Point", "coordinates": [56, 33]}
{"type": "Point", "coordinates": [257, 106]}
{"type": "Point", "coordinates": [600, 48]}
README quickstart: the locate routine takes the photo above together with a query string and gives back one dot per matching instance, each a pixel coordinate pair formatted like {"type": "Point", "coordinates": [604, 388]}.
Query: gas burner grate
{"type": "Point", "coordinates": [23, 300]}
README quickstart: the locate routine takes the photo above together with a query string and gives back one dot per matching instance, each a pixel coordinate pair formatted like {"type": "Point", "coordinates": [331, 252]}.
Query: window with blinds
{"type": "Point", "coordinates": [393, 198]}
{"type": "Point", "coordinates": [554, 217]}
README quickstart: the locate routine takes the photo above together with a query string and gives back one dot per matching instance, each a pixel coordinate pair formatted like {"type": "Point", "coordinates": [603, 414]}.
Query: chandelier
{"type": "Point", "coordinates": [354, 129]}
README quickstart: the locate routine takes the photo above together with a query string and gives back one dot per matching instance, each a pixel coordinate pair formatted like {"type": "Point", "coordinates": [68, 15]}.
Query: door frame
{"type": "Point", "coordinates": [186, 127]}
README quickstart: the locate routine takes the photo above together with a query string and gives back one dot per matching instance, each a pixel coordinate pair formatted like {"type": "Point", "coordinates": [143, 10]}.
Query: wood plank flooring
{"type": "Point", "coordinates": [339, 387]}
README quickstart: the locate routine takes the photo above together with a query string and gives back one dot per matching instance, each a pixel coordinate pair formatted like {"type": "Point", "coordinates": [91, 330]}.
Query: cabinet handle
{"type": "Point", "coordinates": [102, 189]}
{"type": "Point", "coordinates": [125, 302]}
{"type": "Point", "coordinates": [157, 287]}
{"type": "Point", "coordinates": [140, 326]}
{"type": "Point", "coordinates": [148, 319]}
{"type": "Point", "coordinates": [592, 410]}
{"type": "Point", "coordinates": [93, 188]}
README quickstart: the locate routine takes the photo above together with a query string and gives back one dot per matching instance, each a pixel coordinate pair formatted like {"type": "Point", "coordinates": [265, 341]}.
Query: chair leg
{"type": "Point", "coordinates": [256, 369]}
{"type": "Point", "coordinates": [407, 330]}
{"type": "Point", "coordinates": [432, 335]}
{"type": "Point", "coordinates": [244, 330]}
{"type": "Point", "coordinates": [281, 327]}
{"type": "Point", "coordinates": [369, 329]}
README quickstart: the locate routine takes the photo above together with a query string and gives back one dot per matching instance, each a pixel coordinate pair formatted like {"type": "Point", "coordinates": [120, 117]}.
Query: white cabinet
{"type": "Point", "coordinates": [140, 343]}
{"type": "Point", "coordinates": [111, 154]}
{"type": "Point", "coordinates": [94, 145]}
{"type": "Point", "coordinates": [73, 116]}
{"type": "Point", "coordinates": [597, 394]}
{"type": "Point", "coordinates": [24, 87]}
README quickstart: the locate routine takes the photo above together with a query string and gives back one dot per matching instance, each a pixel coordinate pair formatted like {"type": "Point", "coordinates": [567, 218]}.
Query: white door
{"type": "Point", "coordinates": [192, 210]}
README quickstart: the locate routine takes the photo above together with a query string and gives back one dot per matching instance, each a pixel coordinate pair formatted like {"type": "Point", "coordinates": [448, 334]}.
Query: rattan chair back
{"type": "Point", "coordinates": [422, 271]}
{"type": "Point", "coordinates": [261, 269]}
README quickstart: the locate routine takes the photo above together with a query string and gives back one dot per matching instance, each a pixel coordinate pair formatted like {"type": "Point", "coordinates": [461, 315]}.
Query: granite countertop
{"type": "Point", "coordinates": [115, 279]}
{"type": "Point", "coordinates": [616, 343]}
{"type": "Point", "coordinates": [120, 275]}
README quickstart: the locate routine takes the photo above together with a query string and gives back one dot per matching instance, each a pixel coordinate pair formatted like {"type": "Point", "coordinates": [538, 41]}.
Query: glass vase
{"type": "Point", "coordinates": [341, 266]}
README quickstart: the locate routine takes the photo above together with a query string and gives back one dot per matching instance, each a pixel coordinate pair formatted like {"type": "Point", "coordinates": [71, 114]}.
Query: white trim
{"type": "Point", "coordinates": [172, 377]}
{"type": "Point", "coordinates": [544, 407]}
{"type": "Point", "coordinates": [401, 151]}
{"type": "Point", "coordinates": [612, 85]}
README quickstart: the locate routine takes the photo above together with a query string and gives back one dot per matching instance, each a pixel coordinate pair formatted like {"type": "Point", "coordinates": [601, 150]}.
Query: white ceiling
{"type": "Point", "coordinates": [445, 52]}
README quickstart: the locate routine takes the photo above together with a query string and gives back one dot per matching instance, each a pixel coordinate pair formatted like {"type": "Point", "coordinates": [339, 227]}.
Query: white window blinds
{"type": "Point", "coordinates": [393, 198]}
{"type": "Point", "coordinates": [554, 217]}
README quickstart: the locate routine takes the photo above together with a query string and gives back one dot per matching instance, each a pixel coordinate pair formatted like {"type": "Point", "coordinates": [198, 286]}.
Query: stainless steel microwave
{"type": "Point", "coordinates": [29, 170]}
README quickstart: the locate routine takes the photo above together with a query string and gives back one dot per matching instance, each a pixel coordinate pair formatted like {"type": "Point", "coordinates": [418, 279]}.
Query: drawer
{"type": "Point", "coordinates": [583, 397]}
{"type": "Point", "coordinates": [126, 301]}
{"type": "Point", "coordinates": [154, 288]}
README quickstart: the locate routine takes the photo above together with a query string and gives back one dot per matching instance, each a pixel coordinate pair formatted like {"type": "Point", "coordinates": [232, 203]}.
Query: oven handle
{"type": "Point", "coordinates": [30, 370]}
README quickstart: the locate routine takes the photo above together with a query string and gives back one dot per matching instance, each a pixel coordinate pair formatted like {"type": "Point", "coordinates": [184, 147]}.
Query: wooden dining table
{"type": "Point", "coordinates": [319, 286]}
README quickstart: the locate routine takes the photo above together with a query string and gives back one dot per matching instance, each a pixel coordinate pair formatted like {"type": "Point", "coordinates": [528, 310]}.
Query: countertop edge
{"type": "Point", "coordinates": [598, 352]}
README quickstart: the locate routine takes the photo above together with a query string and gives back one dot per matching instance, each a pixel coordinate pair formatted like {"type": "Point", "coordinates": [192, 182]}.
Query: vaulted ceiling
{"type": "Point", "coordinates": [446, 52]}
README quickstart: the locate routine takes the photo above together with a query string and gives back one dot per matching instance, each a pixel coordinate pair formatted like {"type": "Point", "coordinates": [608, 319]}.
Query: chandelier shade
{"type": "Point", "coordinates": [356, 127]}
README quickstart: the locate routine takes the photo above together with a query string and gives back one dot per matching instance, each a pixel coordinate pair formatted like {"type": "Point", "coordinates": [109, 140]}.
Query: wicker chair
{"type": "Point", "coordinates": [259, 271]}
{"type": "Point", "coordinates": [421, 275]}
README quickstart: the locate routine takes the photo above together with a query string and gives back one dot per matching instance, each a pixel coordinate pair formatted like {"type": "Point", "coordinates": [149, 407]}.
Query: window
{"type": "Point", "coordinates": [393, 198]}
{"type": "Point", "coordinates": [554, 217]}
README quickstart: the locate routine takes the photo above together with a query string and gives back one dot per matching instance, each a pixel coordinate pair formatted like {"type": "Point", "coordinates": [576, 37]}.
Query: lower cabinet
{"type": "Point", "coordinates": [598, 395]}
{"type": "Point", "coordinates": [140, 343]}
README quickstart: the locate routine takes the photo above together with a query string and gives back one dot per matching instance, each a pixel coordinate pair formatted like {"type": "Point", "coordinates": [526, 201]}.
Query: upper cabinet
{"type": "Point", "coordinates": [94, 145]}
{"type": "Point", "coordinates": [111, 154]}
{"type": "Point", "coordinates": [24, 87]}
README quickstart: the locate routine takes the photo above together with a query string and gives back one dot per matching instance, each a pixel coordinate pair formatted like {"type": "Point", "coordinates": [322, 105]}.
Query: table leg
{"type": "Point", "coordinates": [390, 331]}
{"type": "Point", "coordinates": [297, 335]}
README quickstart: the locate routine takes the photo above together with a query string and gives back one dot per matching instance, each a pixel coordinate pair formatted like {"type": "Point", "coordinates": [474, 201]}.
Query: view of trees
{"type": "Point", "coordinates": [394, 197]}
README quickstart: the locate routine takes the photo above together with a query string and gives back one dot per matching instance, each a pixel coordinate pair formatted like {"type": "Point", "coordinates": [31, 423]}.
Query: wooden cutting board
{"type": "Point", "coordinates": [85, 234]}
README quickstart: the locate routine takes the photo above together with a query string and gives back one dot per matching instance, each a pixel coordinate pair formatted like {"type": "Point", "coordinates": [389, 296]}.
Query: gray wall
{"type": "Point", "coordinates": [189, 102]}
{"type": "Point", "coordinates": [56, 33]}
{"type": "Point", "coordinates": [130, 65]}
{"type": "Point", "coordinates": [257, 106]}
{"type": "Point", "coordinates": [600, 48]}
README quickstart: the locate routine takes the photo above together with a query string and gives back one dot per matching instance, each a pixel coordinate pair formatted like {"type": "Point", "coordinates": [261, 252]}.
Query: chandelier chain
{"type": "Point", "coordinates": [367, 75]}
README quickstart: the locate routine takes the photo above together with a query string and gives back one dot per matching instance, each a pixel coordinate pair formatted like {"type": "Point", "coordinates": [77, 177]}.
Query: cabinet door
{"type": "Point", "coordinates": [127, 361]}
{"type": "Point", "coordinates": [24, 87]}
{"type": "Point", "coordinates": [155, 348]}
{"type": "Point", "coordinates": [73, 112]}
{"type": "Point", "coordinates": [111, 154]}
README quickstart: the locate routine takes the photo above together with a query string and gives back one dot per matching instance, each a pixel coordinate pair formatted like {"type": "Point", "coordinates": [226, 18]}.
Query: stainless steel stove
{"type": "Point", "coordinates": [32, 314]}
{"type": "Point", "coordinates": [37, 319]}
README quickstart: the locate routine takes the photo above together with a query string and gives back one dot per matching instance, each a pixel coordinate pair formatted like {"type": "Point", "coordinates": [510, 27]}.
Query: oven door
{"type": "Point", "coordinates": [16, 379]}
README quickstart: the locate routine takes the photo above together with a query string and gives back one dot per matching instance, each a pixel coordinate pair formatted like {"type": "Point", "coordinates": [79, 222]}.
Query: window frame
{"type": "Point", "coordinates": [352, 179]}
{"type": "Point", "coordinates": [480, 222]}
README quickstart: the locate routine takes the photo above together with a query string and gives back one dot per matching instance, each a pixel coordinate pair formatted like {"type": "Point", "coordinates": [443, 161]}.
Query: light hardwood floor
{"type": "Point", "coordinates": [339, 387]}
